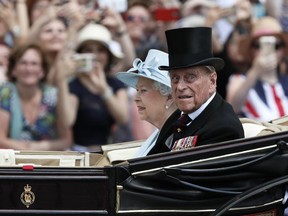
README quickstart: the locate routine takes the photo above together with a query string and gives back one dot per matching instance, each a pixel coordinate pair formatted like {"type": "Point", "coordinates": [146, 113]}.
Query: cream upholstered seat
{"type": "Point", "coordinates": [255, 128]}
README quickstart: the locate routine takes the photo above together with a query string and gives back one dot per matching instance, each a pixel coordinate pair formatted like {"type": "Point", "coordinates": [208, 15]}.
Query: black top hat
{"type": "Point", "coordinates": [189, 47]}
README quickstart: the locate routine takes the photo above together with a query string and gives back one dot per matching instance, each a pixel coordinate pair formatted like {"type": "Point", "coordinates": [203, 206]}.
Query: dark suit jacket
{"type": "Point", "coordinates": [218, 122]}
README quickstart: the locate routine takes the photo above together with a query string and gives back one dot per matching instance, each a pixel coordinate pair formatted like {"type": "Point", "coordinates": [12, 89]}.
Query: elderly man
{"type": "Point", "coordinates": [205, 116]}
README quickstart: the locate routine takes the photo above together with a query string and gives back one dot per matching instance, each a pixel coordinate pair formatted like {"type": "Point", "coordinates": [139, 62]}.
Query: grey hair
{"type": "Point", "coordinates": [210, 68]}
{"type": "Point", "coordinates": [163, 89]}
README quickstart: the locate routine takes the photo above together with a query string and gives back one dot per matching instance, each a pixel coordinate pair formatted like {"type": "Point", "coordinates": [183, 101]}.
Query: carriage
{"type": "Point", "coordinates": [247, 176]}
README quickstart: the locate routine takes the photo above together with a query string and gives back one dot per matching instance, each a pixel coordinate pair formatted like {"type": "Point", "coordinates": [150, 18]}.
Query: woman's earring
{"type": "Point", "coordinates": [166, 107]}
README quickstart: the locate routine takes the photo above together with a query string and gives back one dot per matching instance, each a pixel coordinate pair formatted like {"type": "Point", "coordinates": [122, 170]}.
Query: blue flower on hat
{"type": "Point", "coordinates": [144, 67]}
{"type": "Point", "coordinates": [147, 69]}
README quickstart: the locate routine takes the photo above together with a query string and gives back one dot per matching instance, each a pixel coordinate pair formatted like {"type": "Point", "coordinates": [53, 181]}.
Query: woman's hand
{"type": "Point", "coordinates": [98, 78]}
{"type": "Point", "coordinates": [39, 146]}
{"type": "Point", "coordinates": [73, 12]}
{"type": "Point", "coordinates": [264, 64]}
{"type": "Point", "coordinates": [113, 21]}
{"type": "Point", "coordinates": [65, 67]}
{"type": "Point", "coordinates": [8, 15]}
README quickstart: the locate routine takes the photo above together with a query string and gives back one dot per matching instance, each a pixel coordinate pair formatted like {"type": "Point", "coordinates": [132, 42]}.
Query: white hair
{"type": "Point", "coordinates": [210, 68]}
{"type": "Point", "coordinates": [163, 89]}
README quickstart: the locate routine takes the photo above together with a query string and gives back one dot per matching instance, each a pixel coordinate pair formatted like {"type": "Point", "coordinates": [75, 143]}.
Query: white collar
{"type": "Point", "coordinates": [197, 112]}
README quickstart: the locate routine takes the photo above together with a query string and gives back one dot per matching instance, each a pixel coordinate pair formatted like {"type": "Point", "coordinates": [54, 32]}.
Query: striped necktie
{"type": "Point", "coordinates": [181, 123]}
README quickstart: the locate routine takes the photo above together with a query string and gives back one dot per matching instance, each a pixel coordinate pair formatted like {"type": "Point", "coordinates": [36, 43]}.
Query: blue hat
{"type": "Point", "coordinates": [147, 69]}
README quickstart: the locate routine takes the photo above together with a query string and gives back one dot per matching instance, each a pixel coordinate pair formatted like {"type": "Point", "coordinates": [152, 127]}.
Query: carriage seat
{"type": "Point", "coordinates": [256, 128]}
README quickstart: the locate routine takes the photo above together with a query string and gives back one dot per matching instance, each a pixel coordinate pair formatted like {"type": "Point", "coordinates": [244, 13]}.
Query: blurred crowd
{"type": "Point", "coordinates": [58, 59]}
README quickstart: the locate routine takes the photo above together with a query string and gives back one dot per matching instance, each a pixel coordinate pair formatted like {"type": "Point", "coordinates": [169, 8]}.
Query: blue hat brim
{"type": "Point", "coordinates": [131, 79]}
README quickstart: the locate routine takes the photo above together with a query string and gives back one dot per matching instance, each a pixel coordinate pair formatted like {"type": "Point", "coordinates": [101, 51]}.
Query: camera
{"type": "Point", "coordinates": [84, 61]}
{"type": "Point", "coordinates": [117, 5]}
{"type": "Point", "coordinates": [267, 44]}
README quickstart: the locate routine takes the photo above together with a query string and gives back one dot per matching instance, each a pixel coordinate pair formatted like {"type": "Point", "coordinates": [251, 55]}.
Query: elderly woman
{"type": "Point", "coordinates": [153, 98]}
{"type": "Point", "coordinates": [28, 107]}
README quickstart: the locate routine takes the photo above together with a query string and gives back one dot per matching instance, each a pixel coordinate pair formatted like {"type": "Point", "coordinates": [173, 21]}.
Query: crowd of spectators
{"type": "Point", "coordinates": [91, 106]}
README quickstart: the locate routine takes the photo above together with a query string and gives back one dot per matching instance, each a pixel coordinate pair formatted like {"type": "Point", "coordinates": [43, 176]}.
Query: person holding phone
{"type": "Point", "coordinates": [261, 93]}
{"type": "Point", "coordinates": [97, 100]}
{"type": "Point", "coordinates": [141, 28]}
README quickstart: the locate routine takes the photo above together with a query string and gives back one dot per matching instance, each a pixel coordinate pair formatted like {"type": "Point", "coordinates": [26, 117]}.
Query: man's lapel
{"type": "Point", "coordinates": [165, 132]}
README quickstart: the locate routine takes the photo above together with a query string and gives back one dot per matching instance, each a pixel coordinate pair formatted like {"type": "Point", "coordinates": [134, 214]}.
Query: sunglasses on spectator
{"type": "Point", "coordinates": [278, 45]}
{"type": "Point", "coordinates": [132, 18]}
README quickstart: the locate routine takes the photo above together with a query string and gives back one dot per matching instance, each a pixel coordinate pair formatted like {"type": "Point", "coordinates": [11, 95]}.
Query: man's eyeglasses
{"type": "Point", "coordinates": [132, 18]}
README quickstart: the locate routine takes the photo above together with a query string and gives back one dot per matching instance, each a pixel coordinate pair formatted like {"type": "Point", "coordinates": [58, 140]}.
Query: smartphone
{"type": "Point", "coordinates": [166, 14]}
{"type": "Point", "coordinates": [119, 6]}
{"type": "Point", "coordinates": [84, 62]}
{"type": "Point", "coordinates": [267, 44]}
